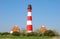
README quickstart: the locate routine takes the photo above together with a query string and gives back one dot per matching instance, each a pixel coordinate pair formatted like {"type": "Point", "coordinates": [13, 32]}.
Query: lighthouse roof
{"type": "Point", "coordinates": [15, 28]}
{"type": "Point", "coordinates": [29, 6]}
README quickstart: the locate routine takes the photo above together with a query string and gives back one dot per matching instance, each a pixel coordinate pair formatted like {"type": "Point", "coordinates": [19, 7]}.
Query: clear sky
{"type": "Point", "coordinates": [14, 12]}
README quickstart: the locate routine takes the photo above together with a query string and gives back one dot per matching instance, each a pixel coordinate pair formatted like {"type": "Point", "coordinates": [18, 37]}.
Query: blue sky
{"type": "Point", "coordinates": [44, 12]}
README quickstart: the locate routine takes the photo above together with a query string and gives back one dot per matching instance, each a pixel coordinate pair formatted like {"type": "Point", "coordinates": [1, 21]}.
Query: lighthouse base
{"type": "Point", "coordinates": [29, 31]}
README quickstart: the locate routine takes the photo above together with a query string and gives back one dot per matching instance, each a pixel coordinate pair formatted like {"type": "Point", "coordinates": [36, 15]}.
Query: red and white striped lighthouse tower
{"type": "Point", "coordinates": [29, 20]}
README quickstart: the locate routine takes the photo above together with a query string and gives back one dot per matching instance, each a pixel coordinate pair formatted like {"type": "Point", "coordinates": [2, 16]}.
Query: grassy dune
{"type": "Point", "coordinates": [24, 37]}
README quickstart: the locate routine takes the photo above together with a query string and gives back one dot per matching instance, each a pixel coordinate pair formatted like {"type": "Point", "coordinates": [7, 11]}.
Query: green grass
{"type": "Point", "coordinates": [25, 37]}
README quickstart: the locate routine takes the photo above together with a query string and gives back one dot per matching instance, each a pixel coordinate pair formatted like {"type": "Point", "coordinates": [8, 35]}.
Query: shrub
{"type": "Point", "coordinates": [49, 33]}
{"type": "Point", "coordinates": [36, 34]}
{"type": "Point", "coordinates": [0, 33]}
{"type": "Point", "coordinates": [16, 33]}
{"type": "Point", "coordinates": [5, 33]}
{"type": "Point", "coordinates": [29, 34]}
{"type": "Point", "coordinates": [22, 34]}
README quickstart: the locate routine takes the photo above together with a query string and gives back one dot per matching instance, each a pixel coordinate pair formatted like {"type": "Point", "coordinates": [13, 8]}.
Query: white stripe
{"type": "Point", "coordinates": [29, 13]}
{"type": "Point", "coordinates": [29, 22]}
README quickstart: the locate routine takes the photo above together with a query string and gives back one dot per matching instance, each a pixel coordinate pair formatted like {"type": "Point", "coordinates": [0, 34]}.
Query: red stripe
{"type": "Point", "coordinates": [29, 27]}
{"type": "Point", "coordinates": [29, 10]}
{"type": "Point", "coordinates": [29, 18]}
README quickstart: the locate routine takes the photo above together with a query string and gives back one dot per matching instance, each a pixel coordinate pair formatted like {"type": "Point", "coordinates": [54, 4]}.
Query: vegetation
{"type": "Point", "coordinates": [16, 33]}
{"type": "Point", "coordinates": [34, 35]}
{"type": "Point", "coordinates": [46, 33]}
{"type": "Point", "coordinates": [25, 37]}
{"type": "Point", "coordinates": [49, 33]}
{"type": "Point", "coordinates": [5, 33]}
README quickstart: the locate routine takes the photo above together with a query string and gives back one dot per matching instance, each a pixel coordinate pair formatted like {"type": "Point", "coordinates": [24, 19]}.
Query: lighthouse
{"type": "Point", "coordinates": [29, 27]}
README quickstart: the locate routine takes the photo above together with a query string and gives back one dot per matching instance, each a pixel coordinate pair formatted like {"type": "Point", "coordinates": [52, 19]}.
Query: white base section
{"type": "Point", "coordinates": [29, 13]}
{"type": "Point", "coordinates": [29, 22]}
{"type": "Point", "coordinates": [11, 32]}
{"type": "Point", "coordinates": [29, 31]}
